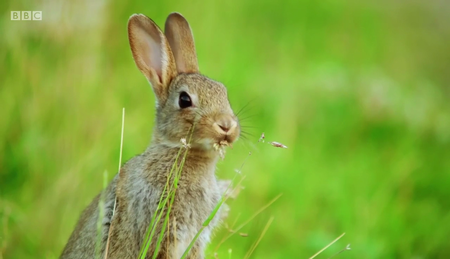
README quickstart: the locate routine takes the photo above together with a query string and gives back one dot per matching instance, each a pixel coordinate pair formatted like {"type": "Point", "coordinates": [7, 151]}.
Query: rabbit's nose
{"type": "Point", "coordinates": [225, 126]}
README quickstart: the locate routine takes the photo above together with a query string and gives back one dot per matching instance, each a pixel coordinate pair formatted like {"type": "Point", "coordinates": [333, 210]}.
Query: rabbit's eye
{"type": "Point", "coordinates": [185, 100]}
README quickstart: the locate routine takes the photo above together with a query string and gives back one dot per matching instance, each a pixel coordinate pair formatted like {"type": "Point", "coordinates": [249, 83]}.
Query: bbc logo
{"type": "Point", "coordinates": [26, 15]}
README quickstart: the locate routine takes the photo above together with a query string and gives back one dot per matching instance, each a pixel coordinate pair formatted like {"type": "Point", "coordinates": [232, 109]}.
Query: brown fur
{"type": "Point", "coordinates": [139, 185]}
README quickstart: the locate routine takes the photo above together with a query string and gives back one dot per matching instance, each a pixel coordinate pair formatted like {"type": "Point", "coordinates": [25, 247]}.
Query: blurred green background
{"type": "Point", "coordinates": [358, 91]}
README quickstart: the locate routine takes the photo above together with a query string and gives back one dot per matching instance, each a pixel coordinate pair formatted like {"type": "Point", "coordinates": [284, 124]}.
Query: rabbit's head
{"type": "Point", "coordinates": [185, 98]}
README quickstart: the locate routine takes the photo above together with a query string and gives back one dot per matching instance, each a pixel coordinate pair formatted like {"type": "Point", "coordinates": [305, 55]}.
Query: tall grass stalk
{"type": "Point", "coordinates": [235, 222]}
{"type": "Point", "coordinates": [250, 252]}
{"type": "Point", "coordinates": [115, 200]}
{"type": "Point", "coordinates": [323, 249]}
{"type": "Point", "coordinates": [247, 221]}
{"type": "Point", "coordinates": [346, 248]}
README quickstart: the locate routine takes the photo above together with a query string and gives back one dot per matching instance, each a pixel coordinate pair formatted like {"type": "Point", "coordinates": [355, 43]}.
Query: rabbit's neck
{"type": "Point", "coordinates": [195, 157]}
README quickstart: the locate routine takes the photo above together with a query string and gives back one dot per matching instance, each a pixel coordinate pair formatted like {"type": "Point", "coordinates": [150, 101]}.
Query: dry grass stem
{"type": "Point", "coordinates": [249, 253]}
{"type": "Point", "coordinates": [346, 248]}
{"type": "Point", "coordinates": [247, 221]}
{"type": "Point", "coordinates": [120, 165]}
{"type": "Point", "coordinates": [323, 249]}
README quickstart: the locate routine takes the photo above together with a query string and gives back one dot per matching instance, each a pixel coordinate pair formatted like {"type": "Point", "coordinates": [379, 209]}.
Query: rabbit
{"type": "Point", "coordinates": [185, 100]}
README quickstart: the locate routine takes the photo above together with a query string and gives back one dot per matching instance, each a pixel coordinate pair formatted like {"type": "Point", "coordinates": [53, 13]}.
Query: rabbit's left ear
{"type": "Point", "coordinates": [181, 41]}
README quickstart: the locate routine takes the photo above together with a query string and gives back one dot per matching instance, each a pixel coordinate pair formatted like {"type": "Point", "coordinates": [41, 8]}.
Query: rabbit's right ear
{"type": "Point", "coordinates": [181, 40]}
{"type": "Point", "coordinates": [152, 54]}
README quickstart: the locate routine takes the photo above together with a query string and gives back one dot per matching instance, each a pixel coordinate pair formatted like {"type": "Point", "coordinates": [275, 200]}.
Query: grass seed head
{"type": "Point", "coordinates": [277, 144]}
{"type": "Point", "coordinates": [185, 144]}
{"type": "Point", "coordinates": [261, 139]}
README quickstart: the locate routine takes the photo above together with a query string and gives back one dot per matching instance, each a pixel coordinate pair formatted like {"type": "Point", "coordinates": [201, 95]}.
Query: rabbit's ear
{"type": "Point", "coordinates": [181, 40]}
{"type": "Point", "coordinates": [152, 54]}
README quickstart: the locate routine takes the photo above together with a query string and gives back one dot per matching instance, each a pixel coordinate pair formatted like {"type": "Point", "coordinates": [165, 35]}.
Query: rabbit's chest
{"type": "Point", "coordinates": [196, 197]}
{"type": "Point", "coordinates": [193, 205]}
{"type": "Point", "coordinates": [195, 201]}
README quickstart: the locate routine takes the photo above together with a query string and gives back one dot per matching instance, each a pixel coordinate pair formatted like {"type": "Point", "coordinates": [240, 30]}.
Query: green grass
{"type": "Point", "coordinates": [358, 91]}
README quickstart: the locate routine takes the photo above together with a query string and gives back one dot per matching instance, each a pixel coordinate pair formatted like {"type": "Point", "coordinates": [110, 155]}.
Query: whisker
{"type": "Point", "coordinates": [245, 106]}
{"type": "Point", "coordinates": [249, 127]}
{"type": "Point", "coordinates": [246, 118]}
{"type": "Point", "coordinates": [244, 133]}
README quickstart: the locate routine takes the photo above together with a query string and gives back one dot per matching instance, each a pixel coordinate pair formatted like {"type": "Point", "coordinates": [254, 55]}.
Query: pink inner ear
{"type": "Point", "coordinates": [150, 51]}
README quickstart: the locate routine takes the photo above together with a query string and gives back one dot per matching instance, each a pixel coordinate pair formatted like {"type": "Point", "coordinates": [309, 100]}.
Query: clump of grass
{"type": "Point", "coordinates": [170, 189]}
{"type": "Point", "coordinates": [166, 200]}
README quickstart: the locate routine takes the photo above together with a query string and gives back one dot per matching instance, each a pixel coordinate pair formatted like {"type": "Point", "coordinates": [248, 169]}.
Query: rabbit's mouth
{"type": "Point", "coordinates": [220, 147]}
{"type": "Point", "coordinates": [222, 143]}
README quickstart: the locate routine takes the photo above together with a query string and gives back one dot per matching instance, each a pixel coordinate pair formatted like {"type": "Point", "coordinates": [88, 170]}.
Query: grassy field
{"type": "Point", "coordinates": [358, 91]}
